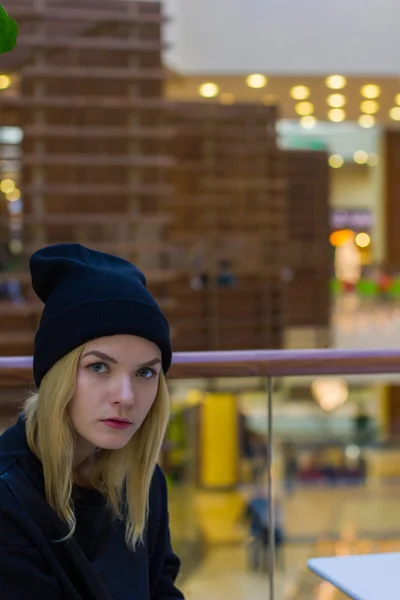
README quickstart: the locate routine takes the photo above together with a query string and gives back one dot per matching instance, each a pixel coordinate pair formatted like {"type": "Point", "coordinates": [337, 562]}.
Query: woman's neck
{"type": "Point", "coordinates": [85, 458]}
{"type": "Point", "coordinates": [83, 451]}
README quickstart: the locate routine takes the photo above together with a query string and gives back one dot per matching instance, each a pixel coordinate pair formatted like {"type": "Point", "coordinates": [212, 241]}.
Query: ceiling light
{"type": "Point", "coordinates": [209, 90]}
{"type": "Point", "coordinates": [360, 157]}
{"type": "Point", "coordinates": [300, 92]}
{"type": "Point", "coordinates": [304, 108]}
{"type": "Point", "coordinates": [308, 122]}
{"type": "Point", "coordinates": [336, 100]}
{"type": "Point", "coordinates": [366, 121]}
{"type": "Point", "coordinates": [370, 91]}
{"type": "Point", "coordinates": [373, 160]}
{"type": "Point", "coordinates": [394, 113]}
{"type": "Point", "coordinates": [14, 195]}
{"type": "Point", "coordinates": [336, 82]}
{"type": "Point", "coordinates": [336, 115]}
{"type": "Point", "coordinates": [330, 392]}
{"type": "Point", "coordinates": [5, 82]}
{"type": "Point", "coordinates": [362, 240]}
{"type": "Point", "coordinates": [227, 98]}
{"type": "Point", "coordinates": [370, 107]}
{"type": "Point", "coordinates": [7, 186]}
{"type": "Point", "coordinates": [336, 161]}
{"type": "Point", "coordinates": [256, 81]}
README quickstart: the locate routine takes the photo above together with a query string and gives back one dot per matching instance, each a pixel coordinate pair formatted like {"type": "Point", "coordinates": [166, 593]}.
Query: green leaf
{"type": "Point", "coordinates": [8, 32]}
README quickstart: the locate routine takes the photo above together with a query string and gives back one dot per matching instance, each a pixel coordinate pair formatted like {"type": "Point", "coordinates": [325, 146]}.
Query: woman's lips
{"type": "Point", "coordinates": [117, 424]}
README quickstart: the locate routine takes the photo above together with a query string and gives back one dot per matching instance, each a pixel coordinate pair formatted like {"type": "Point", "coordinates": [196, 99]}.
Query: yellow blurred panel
{"type": "Point", "coordinates": [219, 441]}
{"type": "Point", "coordinates": [219, 516]}
{"type": "Point", "coordinates": [384, 411]}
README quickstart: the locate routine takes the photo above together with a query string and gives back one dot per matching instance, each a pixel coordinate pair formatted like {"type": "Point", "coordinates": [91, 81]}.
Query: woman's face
{"type": "Point", "coordinates": [117, 382]}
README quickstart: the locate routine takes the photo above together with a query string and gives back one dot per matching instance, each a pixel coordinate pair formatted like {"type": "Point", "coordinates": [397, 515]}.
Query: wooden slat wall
{"type": "Point", "coordinates": [392, 199]}
{"type": "Point", "coordinates": [230, 206]}
{"type": "Point", "coordinates": [310, 254]}
{"type": "Point", "coordinates": [96, 146]}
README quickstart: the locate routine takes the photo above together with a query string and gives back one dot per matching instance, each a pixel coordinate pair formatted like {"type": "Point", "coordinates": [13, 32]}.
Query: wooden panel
{"type": "Point", "coordinates": [67, 156]}
{"type": "Point", "coordinates": [230, 207]}
{"type": "Point", "coordinates": [391, 199]}
{"type": "Point", "coordinates": [393, 408]}
{"type": "Point", "coordinates": [309, 253]}
{"type": "Point", "coordinates": [95, 150]}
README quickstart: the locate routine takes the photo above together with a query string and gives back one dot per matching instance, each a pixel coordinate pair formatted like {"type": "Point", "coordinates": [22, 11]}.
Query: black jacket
{"type": "Point", "coordinates": [96, 563]}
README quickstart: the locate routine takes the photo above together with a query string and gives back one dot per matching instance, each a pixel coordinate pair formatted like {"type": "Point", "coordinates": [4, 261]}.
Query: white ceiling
{"type": "Point", "coordinates": [283, 36]}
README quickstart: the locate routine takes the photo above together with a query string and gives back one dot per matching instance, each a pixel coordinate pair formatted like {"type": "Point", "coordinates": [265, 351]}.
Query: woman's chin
{"type": "Point", "coordinates": [114, 441]}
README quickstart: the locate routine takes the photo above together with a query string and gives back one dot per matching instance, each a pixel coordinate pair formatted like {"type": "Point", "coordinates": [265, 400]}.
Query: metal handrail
{"type": "Point", "coordinates": [247, 363]}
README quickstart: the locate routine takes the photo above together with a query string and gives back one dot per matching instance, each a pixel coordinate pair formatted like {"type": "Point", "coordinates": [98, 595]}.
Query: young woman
{"type": "Point", "coordinates": [83, 506]}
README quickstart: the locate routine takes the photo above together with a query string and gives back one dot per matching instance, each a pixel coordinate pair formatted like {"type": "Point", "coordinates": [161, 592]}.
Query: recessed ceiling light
{"type": "Point", "coordinates": [304, 108]}
{"type": "Point", "coordinates": [336, 82]}
{"type": "Point", "coordinates": [370, 91]}
{"type": "Point", "coordinates": [360, 157]}
{"type": "Point", "coordinates": [370, 107]}
{"type": "Point", "coordinates": [209, 90]}
{"type": "Point", "coordinates": [336, 100]}
{"type": "Point", "coordinates": [336, 161]}
{"type": "Point", "coordinates": [367, 121]}
{"type": "Point", "coordinates": [7, 186]}
{"type": "Point", "coordinates": [308, 122]}
{"type": "Point", "coordinates": [394, 113]}
{"type": "Point", "coordinates": [14, 195]}
{"type": "Point", "coordinates": [300, 92]}
{"type": "Point", "coordinates": [5, 82]}
{"type": "Point", "coordinates": [256, 81]}
{"type": "Point", "coordinates": [336, 115]}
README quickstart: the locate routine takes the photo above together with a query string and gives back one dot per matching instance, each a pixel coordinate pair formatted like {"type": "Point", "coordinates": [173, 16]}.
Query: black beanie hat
{"type": "Point", "coordinates": [87, 295]}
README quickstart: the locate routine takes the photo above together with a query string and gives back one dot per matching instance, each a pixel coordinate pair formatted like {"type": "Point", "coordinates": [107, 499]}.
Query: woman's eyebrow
{"type": "Point", "coordinates": [101, 355]}
{"type": "Point", "coordinates": [150, 363]}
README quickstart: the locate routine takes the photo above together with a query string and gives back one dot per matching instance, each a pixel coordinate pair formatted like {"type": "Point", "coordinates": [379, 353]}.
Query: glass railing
{"type": "Point", "coordinates": [320, 472]}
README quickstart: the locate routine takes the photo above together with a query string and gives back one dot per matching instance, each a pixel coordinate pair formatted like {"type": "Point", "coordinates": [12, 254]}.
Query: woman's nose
{"type": "Point", "coordinates": [124, 393]}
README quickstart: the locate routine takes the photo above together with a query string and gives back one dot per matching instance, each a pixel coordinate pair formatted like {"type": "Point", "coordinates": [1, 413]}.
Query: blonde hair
{"type": "Point", "coordinates": [50, 437]}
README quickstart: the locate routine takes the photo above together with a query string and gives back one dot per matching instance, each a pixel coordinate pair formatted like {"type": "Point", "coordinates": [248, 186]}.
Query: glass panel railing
{"type": "Point", "coordinates": [327, 454]}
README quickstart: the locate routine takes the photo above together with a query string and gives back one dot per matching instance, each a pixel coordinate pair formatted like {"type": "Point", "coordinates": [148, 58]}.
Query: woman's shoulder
{"type": "Point", "coordinates": [7, 498]}
{"type": "Point", "coordinates": [158, 492]}
{"type": "Point", "coordinates": [159, 477]}
{"type": "Point", "coordinates": [13, 446]}
{"type": "Point", "coordinates": [13, 485]}
{"type": "Point", "coordinates": [15, 454]}
{"type": "Point", "coordinates": [158, 483]}
{"type": "Point", "coordinates": [13, 518]}
{"type": "Point", "coordinates": [20, 473]}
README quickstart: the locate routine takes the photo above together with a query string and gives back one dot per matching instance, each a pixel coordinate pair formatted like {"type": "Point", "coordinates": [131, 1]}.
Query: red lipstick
{"type": "Point", "coordinates": [117, 423]}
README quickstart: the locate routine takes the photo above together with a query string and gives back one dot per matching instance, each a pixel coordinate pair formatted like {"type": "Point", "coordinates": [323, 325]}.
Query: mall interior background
{"type": "Point", "coordinates": [245, 155]}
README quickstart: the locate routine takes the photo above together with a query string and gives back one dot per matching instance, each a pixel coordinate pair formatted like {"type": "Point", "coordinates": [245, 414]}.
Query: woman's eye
{"type": "Point", "coordinates": [98, 368]}
{"type": "Point", "coordinates": [147, 373]}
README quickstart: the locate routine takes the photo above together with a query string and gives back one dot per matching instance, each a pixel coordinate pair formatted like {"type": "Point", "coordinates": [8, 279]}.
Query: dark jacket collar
{"type": "Point", "coordinates": [14, 448]}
